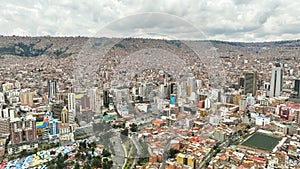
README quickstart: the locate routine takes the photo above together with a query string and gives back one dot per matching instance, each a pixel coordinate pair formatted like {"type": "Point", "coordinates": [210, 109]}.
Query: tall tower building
{"type": "Point", "coordinates": [276, 81]}
{"type": "Point", "coordinates": [297, 87]}
{"type": "Point", "coordinates": [71, 107]}
{"type": "Point", "coordinates": [106, 98]}
{"type": "Point", "coordinates": [27, 98]}
{"type": "Point", "coordinates": [241, 82]}
{"type": "Point", "coordinates": [54, 129]}
{"type": "Point", "coordinates": [92, 94]}
{"type": "Point", "coordinates": [250, 82]}
{"type": "Point", "coordinates": [2, 98]}
{"type": "Point", "coordinates": [51, 89]}
{"type": "Point", "coordinates": [65, 116]}
{"type": "Point", "coordinates": [23, 129]}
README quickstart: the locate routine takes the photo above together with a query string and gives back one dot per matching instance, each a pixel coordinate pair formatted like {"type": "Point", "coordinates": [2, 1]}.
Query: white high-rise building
{"type": "Point", "coordinates": [2, 100]}
{"type": "Point", "coordinates": [71, 107]}
{"type": "Point", "coordinates": [95, 99]}
{"type": "Point", "coordinates": [51, 89]}
{"type": "Point", "coordinates": [276, 82]}
{"type": "Point", "coordinates": [207, 103]}
{"type": "Point", "coordinates": [71, 101]}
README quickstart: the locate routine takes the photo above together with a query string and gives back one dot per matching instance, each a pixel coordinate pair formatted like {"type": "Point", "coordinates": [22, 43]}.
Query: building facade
{"type": "Point", "coordinates": [276, 82]}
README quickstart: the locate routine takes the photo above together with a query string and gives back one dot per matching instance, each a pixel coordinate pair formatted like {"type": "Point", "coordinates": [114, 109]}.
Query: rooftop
{"type": "Point", "coordinates": [262, 141]}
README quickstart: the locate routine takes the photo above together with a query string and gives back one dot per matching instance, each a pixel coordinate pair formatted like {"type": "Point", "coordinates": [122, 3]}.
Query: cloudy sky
{"type": "Point", "coordinates": [231, 20]}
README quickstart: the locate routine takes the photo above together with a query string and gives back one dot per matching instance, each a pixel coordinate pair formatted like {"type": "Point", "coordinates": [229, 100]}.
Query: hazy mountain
{"type": "Point", "coordinates": [67, 46]}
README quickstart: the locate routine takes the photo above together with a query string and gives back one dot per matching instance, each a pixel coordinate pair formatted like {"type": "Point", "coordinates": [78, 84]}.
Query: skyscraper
{"type": "Point", "coordinates": [105, 98]}
{"type": "Point", "coordinates": [250, 81]}
{"type": "Point", "coordinates": [241, 82]}
{"type": "Point", "coordinates": [297, 87]}
{"type": "Point", "coordinates": [27, 98]}
{"type": "Point", "coordinates": [51, 89]}
{"type": "Point", "coordinates": [71, 107]}
{"type": "Point", "coordinates": [54, 130]}
{"type": "Point", "coordinates": [71, 101]}
{"type": "Point", "coordinates": [65, 116]}
{"type": "Point", "coordinates": [276, 81]}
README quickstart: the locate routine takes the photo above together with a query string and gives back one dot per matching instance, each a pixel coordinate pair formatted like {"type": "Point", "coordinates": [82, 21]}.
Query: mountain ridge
{"type": "Point", "coordinates": [60, 47]}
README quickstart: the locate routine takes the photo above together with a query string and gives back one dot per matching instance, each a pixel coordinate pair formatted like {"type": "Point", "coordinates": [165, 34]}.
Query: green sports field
{"type": "Point", "coordinates": [262, 141]}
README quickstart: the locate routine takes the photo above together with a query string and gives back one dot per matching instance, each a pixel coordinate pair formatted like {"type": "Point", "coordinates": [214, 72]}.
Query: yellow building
{"type": "Point", "coordinates": [180, 158]}
{"type": "Point", "coordinates": [202, 112]}
{"type": "Point", "coordinates": [186, 160]}
{"type": "Point", "coordinates": [39, 131]}
{"type": "Point", "coordinates": [191, 161]}
{"type": "Point", "coordinates": [236, 99]}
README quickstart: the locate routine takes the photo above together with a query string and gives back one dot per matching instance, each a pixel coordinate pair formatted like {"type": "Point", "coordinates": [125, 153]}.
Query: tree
{"type": "Point", "coordinates": [124, 134]}
{"type": "Point", "coordinates": [86, 166]}
{"type": "Point", "coordinates": [96, 163]}
{"type": "Point", "coordinates": [66, 156]}
{"type": "Point", "coordinates": [83, 157]}
{"type": "Point", "coordinates": [51, 166]}
{"type": "Point", "coordinates": [133, 127]}
{"type": "Point", "coordinates": [60, 161]}
{"type": "Point", "coordinates": [106, 153]}
{"type": "Point", "coordinates": [172, 153]}
{"type": "Point", "coordinates": [107, 164]}
{"type": "Point", "coordinates": [23, 153]}
{"type": "Point", "coordinates": [145, 151]}
{"type": "Point", "coordinates": [59, 156]}
{"type": "Point", "coordinates": [77, 166]}
{"type": "Point", "coordinates": [77, 155]}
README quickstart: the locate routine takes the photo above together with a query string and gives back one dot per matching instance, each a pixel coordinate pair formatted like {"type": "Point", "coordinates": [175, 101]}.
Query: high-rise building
{"type": "Point", "coordinates": [173, 88]}
{"type": "Point", "coordinates": [105, 98]}
{"type": "Point", "coordinates": [172, 100]}
{"type": "Point", "coordinates": [207, 103]}
{"type": "Point", "coordinates": [2, 98]}
{"type": "Point", "coordinates": [53, 129]}
{"type": "Point", "coordinates": [267, 86]}
{"type": "Point", "coordinates": [51, 89]}
{"type": "Point", "coordinates": [71, 101]}
{"type": "Point", "coordinates": [242, 104]}
{"type": "Point", "coordinates": [71, 107]}
{"type": "Point", "coordinates": [92, 94]}
{"type": "Point", "coordinates": [23, 130]}
{"type": "Point", "coordinates": [276, 82]}
{"type": "Point", "coordinates": [148, 92]}
{"type": "Point", "coordinates": [250, 81]}
{"type": "Point", "coordinates": [85, 102]}
{"type": "Point", "coordinates": [27, 98]}
{"type": "Point", "coordinates": [241, 82]}
{"type": "Point", "coordinates": [65, 116]}
{"type": "Point", "coordinates": [297, 87]}
{"type": "Point", "coordinates": [191, 85]}
{"type": "Point", "coordinates": [297, 112]}
{"type": "Point", "coordinates": [4, 123]}
{"type": "Point", "coordinates": [56, 110]}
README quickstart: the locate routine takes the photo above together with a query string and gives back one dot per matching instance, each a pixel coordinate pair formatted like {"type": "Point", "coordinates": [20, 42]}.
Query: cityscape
{"type": "Point", "coordinates": [147, 100]}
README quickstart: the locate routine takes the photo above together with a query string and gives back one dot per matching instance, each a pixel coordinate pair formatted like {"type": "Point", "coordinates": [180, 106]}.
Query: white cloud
{"type": "Point", "coordinates": [241, 20]}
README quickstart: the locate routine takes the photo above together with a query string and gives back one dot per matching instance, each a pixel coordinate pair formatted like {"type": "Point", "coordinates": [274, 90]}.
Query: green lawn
{"type": "Point", "coordinates": [262, 141]}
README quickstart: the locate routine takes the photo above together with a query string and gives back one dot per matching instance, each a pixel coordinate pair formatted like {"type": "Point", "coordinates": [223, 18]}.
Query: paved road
{"type": "Point", "coordinates": [162, 166]}
{"type": "Point", "coordinates": [119, 156]}
{"type": "Point", "coordinates": [138, 148]}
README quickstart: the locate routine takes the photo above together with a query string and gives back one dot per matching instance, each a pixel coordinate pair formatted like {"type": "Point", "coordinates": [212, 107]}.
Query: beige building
{"type": "Point", "coordinates": [27, 98]}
